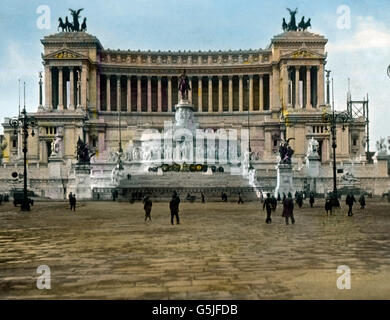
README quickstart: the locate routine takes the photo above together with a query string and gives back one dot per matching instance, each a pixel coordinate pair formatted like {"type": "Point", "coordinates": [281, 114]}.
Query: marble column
{"type": "Point", "coordinates": [250, 92]}
{"type": "Point", "coordinates": [139, 108]}
{"type": "Point", "coordinates": [118, 93]}
{"type": "Point", "coordinates": [308, 88]}
{"type": "Point", "coordinates": [241, 93]}
{"type": "Point", "coordinates": [261, 92]}
{"type": "Point", "coordinates": [285, 86]}
{"type": "Point", "coordinates": [220, 94]}
{"type": "Point", "coordinates": [71, 89]}
{"type": "Point", "coordinates": [48, 88]}
{"type": "Point", "coordinates": [210, 107]}
{"type": "Point", "coordinates": [271, 92]}
{"type": "Point", "coordinates": [149, 98]}
{"type": "Point", "coordinates": [297, 87]}
{"type": "Point", "coordinates": [98, 93]}
{"type": "Point", "coordinates": [190, 91]}
{"type": "Point", "coordinates": [320, 85]}
{"type": "Point", "coordinates": [108, 89]}
{"type": "Point", "coordinates": [159, 99]}
{"type": "Point", "coordinates": [128, 94]}
{"type": "Point", "coordinates": [230, 93]}
{"type": "Point", "coordinates": [60, 89]}
{"type": "Point", "coordinates": [169, 89]}
{"type": "Point", "coordinates": [200, 93]}
{"type": "Point", "coordinates": [84, 84]}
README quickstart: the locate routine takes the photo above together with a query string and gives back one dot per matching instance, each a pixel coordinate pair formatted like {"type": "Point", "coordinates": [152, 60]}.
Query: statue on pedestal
{"type": "Point", "coordinates": [313, 147]}
{"type": "Point", "coordinates": [184, 85]}
{"type": "Point", "coordinates": [285, 152]}
{"type": "Point", "coordinates": [83, 155]}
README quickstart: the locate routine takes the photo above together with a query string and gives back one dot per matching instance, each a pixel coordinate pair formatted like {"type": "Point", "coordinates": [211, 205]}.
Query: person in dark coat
{"type": "Point", "coordinates": [284, 197]}
{"type": "Point", "coordinates": [362, 201]}
{"type": "Point", "coordinates": [328, 206]}
{"type": "Point", "coordinates": [239, 198]}
{"type": "Point", "coordinates": [70, 200]}
{"type": "Point", "coordinates": [73, 202]}
{"type": "Point", "coordinates": [274, 203]}
{"type": "Point", "coordinates": [148, 208]}
{"type": "Point", "coordinates": [267, 204]}
{"type": "Point", "coordinates": [311, 200]}
{"type": "Point", "coordinates": [288, 209]}
{"type": "Point", "coordinates": [349, 201]}
{"type": "Point", "coordinates": [174, 207]}
{"type": "Point", "coordinates": [203, 197]}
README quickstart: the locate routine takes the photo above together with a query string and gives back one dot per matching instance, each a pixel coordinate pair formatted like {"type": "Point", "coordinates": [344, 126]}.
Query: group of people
{"type": "Point", "coordinates": [4, 197]}
{"type": "Point", "coordinates": [72, 201]}
{"type": "Point", "coordinates": [173, 206]}
{"type": "Point", "coordinates": [270, 204]}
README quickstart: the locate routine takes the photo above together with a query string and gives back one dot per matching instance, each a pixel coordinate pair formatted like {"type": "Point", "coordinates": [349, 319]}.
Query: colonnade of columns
{"type": "Point", "coordinates": [66, 87]}
{"type": "Point", "coordinates": [303, 86]}
{"type": "Point", "coordinates": [138, 93]}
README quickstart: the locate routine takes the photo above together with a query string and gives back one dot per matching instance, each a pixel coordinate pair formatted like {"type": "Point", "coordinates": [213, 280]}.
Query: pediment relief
{"type": "Point", "coordinates": [64, 54]}
{"type": "Point", "coordinates": [303, 54]}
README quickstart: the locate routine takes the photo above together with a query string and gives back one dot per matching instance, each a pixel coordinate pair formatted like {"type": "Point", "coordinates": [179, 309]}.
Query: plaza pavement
{"type": "Point", "coordinates": [219, 251]}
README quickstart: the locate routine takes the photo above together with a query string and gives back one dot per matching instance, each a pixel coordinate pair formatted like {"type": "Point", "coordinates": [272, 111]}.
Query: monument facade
{"type": "Point", "coordinates": [273, 94]}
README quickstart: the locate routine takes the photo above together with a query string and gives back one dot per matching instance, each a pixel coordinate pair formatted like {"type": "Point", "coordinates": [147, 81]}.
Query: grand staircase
{"type": "Point", "coordinates": [161, 187]}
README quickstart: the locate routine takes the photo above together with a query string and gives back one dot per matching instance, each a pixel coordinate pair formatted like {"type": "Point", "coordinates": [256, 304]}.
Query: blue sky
{"type": "Point", "coordinates": [361, 53]}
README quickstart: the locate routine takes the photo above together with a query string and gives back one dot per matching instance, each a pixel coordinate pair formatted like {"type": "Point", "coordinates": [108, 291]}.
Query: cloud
{"type": "Point", "coordinates": [370, 34]}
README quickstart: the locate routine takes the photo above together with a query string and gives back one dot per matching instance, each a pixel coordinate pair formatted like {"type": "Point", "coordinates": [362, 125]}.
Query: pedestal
{"type": "Point", "coordinates": [82, 182]}
{"type": "Point", "coordinates": [55, 186]}
{"type": "Point", "coordinates": [313, 165]}
{"type": "Point", "coordinates": [284, 180]}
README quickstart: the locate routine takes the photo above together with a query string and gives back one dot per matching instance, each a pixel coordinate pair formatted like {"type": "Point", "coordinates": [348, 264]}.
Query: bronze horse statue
{"type": "Point", "coordinates": [61, 25]}
{"type": "Point", "coordinates": [302, 26]}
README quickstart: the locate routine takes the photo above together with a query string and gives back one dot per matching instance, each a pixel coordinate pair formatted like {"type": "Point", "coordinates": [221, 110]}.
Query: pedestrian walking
{"type": "Point", "coordinates": [73, 203]}
{"type": "Point", "coordinates": [350, 200]}
{"type": "Point", "coordinates": [288, 209]}
{"type": "Point", "coordinates": [203, 197]}
{"type": "Point", "coordinates": [362, 201]}
{"type": "Point", "coordinates": [148, 208]}
{"type": "Point", "coordinates": [239, 198]}
{"type": "Point", "coordinates": [174, 207]}
{"type": "Point", "coordinates": [311, 200]}
{"type": "Point", "coordinates": [70, 196]}
{"type": "Point", "coordinates": [328, 206]}
{"type": "Point", "coordinates": [274, 203]}
{"type": "Point", "coordinates": [268, 205]}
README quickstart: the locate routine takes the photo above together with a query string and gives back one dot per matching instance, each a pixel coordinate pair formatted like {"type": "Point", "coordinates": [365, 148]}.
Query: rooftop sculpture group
{"type": "Point", "coordinates": [75, 26]}
{"type": "Point", "coordinates": [292, 25]}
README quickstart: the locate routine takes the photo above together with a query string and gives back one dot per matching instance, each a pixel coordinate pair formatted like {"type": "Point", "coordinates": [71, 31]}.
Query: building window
{"type": "Point", "coordinates": [13, 143]}
{"type": "Point", "coordinates": [275, 143]}
{"type": "Point", "coordinates": [354, 142]}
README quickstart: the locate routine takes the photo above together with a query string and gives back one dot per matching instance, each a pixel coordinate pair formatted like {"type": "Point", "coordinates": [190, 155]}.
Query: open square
{"type": "Point", "coordinates": [104, 250]}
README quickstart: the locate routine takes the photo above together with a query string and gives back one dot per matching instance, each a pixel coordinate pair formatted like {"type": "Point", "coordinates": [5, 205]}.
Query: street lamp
{"type": "Point", "coordinates": [333, 119]}
{"type": "Point", "coordinates": [24, 122]}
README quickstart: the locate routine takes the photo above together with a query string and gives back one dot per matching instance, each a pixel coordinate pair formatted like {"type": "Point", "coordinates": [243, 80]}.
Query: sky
{"type": "Point", "coordinates": [358, 32]}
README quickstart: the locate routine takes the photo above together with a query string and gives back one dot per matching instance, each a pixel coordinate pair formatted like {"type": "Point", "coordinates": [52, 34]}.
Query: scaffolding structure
{"type": "Point", "coordinates": [358, 109]}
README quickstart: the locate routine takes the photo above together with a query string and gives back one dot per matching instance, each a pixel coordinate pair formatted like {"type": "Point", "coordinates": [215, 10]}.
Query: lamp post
{"type": "Point", "coordinates": [24, 122]}
{"type": "Point", "coordinates": [333, 119]}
